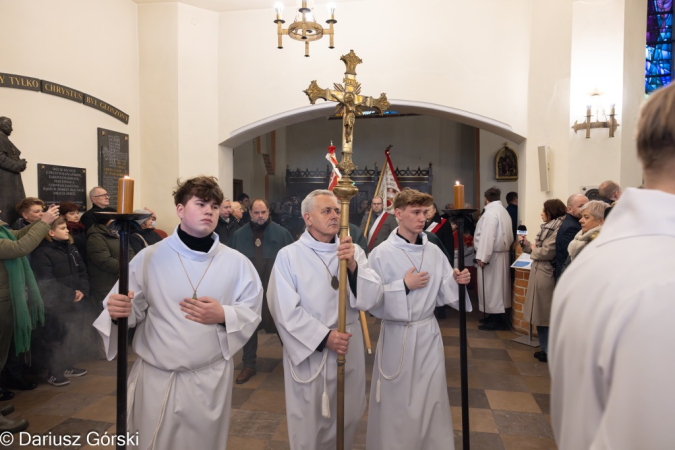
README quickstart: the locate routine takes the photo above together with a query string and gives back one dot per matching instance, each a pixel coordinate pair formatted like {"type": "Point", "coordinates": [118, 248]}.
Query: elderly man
{"type": "Point", "coordinates": [303, 299]}
{"type": "Point", "coordinates": [492, 240]}
{"type": "Point", "coordinates": [611, 337]}
{"type": "Point", "coordinates": [11, 166]}
{"type": "Point", "coordinates": [237, 214]}
{"type": "Point", "coordinates": [381, 224]}
{"type": "Point", "coordinates": [99, 199]}
{"type": "Point", "coordinates": [259, 240]}
{"type": "Point", "coordinates": [609, 191]}
{"type": "Point", "coordinates": [226, 223]}
{"type": "Point", "coordinates": [568, 229]}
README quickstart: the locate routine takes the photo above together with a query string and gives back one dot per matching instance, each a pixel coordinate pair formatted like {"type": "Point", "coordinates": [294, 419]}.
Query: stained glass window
{"type": "Point", "coordinates": [659, 57]}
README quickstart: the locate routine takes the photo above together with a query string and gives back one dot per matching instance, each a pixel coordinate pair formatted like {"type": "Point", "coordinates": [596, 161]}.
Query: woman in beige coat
{"type": "Point", "coordinates": [540, 287]}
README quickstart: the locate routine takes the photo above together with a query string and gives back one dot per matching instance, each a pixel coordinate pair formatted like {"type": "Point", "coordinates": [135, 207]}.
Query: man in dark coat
{"type": "Point", "coordinates": [259, 240]}
{"type": "Point", "coordinates": [512, 209]}
{"type": "Point", "coordinates": [100, 201]}
{"type": "Point", "coordinates": [609, 192]}
{"type": "Point", "coordinates": [568, 229]}
{"type": "Point", "coordinates": [380, 226]}
{"type": "Point", "coordinates": [227, 225]}
{"type": "Point", "coordinates": [11, 166]}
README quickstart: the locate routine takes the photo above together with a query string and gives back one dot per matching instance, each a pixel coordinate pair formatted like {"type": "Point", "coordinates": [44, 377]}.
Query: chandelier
{"type": "Point", "coordinates": [305, 28]}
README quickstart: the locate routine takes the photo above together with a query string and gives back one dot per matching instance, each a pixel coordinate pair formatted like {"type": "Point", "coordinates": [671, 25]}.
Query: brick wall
{"type": "Point", "coordinates": [518, 302]}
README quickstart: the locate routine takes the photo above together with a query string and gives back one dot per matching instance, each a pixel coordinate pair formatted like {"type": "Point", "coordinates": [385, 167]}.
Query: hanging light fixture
{"type": "Point", "coordinates": [595, 109]}
{"type": "Point", "coordinates": [305, 28]}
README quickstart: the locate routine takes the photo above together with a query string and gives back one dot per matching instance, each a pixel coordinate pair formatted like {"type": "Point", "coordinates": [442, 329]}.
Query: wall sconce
{"type": "Point", "coordinates": [304, 27]}
{"type": "Point", "coordinates": [594, 109]}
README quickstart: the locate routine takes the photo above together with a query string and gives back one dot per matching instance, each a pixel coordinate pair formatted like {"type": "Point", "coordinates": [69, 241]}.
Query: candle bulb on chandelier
{"type": "Point", "coordinates": [459, 195]}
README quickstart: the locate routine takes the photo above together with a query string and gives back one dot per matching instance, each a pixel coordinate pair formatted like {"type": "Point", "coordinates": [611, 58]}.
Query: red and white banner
{"type": "Point", "coordinates": [335, 173]}
{"type": "Point", "coordinates": [388, 183]}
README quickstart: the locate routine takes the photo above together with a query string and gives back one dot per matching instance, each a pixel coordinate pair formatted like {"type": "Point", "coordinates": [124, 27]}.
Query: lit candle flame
{"type": "Point", "coordinates": [457, 183]}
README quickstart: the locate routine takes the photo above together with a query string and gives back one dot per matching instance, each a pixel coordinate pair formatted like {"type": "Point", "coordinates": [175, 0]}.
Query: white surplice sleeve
{"type": "Point", "coordinates": [395, 301]}
{"type": "Point", "coordinates": [369, 289]}
{"type": "Point", "coordinates": [104, 324]}
{"type": "Point", "coordinates": [242, 313]}
{"type": "Point", "coordinates": [300, 332]}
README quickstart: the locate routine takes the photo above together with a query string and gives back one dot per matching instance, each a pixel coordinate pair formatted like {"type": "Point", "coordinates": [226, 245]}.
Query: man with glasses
{"type": "Point", "coordinates": [380, 226]}
{"type": "Point", "coordinates": [100, 199]}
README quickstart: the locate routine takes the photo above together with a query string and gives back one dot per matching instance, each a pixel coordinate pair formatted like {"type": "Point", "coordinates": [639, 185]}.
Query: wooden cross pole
{"type": "Point", "coordinates": [350, 103]}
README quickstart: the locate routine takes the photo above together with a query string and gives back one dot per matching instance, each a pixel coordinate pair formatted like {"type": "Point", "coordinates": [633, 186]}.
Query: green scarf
{"type": "Point", "coordinates": [25, 295]}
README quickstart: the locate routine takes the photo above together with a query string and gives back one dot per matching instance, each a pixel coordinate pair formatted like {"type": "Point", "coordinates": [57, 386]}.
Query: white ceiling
{"type": "Point", "coordinates": [239, 5]}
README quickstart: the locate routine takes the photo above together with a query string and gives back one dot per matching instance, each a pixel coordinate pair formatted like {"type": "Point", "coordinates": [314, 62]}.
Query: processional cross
{"type": "Point", "coordinates": [350, 104]}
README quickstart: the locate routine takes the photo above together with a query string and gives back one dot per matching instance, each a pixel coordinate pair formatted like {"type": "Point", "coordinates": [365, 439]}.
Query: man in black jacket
{"type": "Point", "coordinates": [568, 229]}
{"type": "Point", "coordinates": [99, 200]}
{"type": "Point", "coordinates": [227, 224]}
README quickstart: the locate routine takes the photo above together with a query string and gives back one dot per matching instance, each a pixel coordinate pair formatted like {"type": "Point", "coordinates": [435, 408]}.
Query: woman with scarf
{"type": "Point", "coordinates": [541, 284]}
{"type": "Point", "coordinates": [21, 307]}
{"type": "Point", "coordinates": [76, 228]}
{"type": "Point", "coordinates": [592, 219]}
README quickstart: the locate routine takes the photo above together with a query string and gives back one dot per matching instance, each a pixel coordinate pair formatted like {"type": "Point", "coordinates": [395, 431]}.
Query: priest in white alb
{"type": "Point", "coordinates": [194, 303]}
{"type": "Point", "coordinates": [303, 299]}
{"type": "Point", "coordinates": [492, 241]}
{"type": "Point", "coordinates": [409, 406]}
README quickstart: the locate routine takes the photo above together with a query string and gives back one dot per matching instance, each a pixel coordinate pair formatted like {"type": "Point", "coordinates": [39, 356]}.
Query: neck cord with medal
{"type": "Point", "coordinates": [194, 289]}
{"type": "Point", "coordinates": [334, 279]}
{"type": "Point", "coordinates": [411, 262]}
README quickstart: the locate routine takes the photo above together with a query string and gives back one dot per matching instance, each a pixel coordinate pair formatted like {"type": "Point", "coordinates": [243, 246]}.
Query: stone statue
{"type": "Point", "coordinates": [11, 166]}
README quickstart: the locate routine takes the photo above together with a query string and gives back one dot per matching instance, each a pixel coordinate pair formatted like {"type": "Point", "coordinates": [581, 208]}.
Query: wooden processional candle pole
{"type": "Point", "coordinates": [349, 104]}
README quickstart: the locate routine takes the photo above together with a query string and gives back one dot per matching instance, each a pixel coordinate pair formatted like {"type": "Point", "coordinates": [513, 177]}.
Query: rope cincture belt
{"type": "Point", "coordinates": [135, 374]}
{"type": "Point", "coordinates": [325, 403]}
{"type": "Point", "coordinates": [379, 351]}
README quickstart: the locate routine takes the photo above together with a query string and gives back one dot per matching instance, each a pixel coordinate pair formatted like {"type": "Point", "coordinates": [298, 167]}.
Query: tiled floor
{"type": "Point", "coordinates": [508, 396]}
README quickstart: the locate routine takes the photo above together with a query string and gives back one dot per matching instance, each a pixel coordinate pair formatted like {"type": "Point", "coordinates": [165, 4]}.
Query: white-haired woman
{"type": "Point", "coordinates": [592, 219]}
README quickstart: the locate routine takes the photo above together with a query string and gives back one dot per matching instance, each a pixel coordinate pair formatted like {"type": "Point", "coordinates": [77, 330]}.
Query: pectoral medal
{"type": "Point", "coordinates": [335, 283]}
{"type": "Point", "coordinates": [258, 243]}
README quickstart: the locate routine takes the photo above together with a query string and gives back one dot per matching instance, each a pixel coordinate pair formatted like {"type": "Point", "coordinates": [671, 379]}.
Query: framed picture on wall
{"type": "Point", "coordinates": [506, 164]}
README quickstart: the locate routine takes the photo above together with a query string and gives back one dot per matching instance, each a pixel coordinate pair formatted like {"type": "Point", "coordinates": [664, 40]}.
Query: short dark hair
{"type": "Point", "coordinates": [554, 208]}
{"type": "Point", "coordinates": [412, 197]}
{"type": "Point", "coordinates": [511, 196]}
{"type": "Point", "coordinates": [242, 196]}
{"type": "Point", "coordinates": [493, 194]}
{"type": "Point", "coordinates": [267, 205]}
{"type": "Point", "coordinates": [203, 187]}
{"type": "Point", "coordinates": [66, 207]}
{"type": "Point", "coordinates": [27, 202]}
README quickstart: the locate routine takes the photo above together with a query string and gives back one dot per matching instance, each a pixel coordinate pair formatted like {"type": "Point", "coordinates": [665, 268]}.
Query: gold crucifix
{"type": "Point", "coordinates": [350, 104]}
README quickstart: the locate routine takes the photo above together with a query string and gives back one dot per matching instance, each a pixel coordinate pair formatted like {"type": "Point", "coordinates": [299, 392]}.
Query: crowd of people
{"type": "Point", "coordinates": [60, 274]}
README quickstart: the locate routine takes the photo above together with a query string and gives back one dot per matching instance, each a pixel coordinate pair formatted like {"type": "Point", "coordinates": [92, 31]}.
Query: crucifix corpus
{"type": "Point", "coordinates": [350, 103]}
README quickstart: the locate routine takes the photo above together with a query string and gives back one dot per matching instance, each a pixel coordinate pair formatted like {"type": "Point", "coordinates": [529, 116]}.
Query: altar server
{"type": "Point", "coordinates": [409, 407]}
{"type": "Point", "coordinates": [194, 303]}
{"type": "Point", "coordinates": [303, 299]}
{"type": "Point", "coordinates": [611, 337]}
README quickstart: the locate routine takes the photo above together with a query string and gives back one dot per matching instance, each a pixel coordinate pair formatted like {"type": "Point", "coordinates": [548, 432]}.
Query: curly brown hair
{"type": "Point", "coordinates": [412, 197]}
{"type": "Point", "coordinates": [27, 202]}
{"type": "Point", "coordinates": [203, 187]}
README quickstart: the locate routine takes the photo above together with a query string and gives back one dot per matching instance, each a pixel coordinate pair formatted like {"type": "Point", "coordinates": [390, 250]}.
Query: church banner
{"type": "Point", "coordinates": [388, 185]}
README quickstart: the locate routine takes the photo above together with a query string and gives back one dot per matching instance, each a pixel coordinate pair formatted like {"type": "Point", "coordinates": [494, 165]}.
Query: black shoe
{"type": "Point", "coordinates": [74, 372]}
{"type": "Point", "coordinates": [57, 381]}
{"type": "Point", "coordinates": [6, 395]}
{"type": "Point", "coordinates": [7, 410]}
{"type": "Point", "coordinates": [539, 354]}
{"type": "Point", "coordinates": [20, 384]}
{"type": "Point", "coordinates": [12, 425]}
{"type": "Point", "coordinates": [543, 358]}
{"type": "Point", "coordinates": [489, 319]}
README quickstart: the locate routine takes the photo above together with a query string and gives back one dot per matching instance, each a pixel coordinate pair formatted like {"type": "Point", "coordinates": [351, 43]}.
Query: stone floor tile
{"type": "Point", "coordinates": [451, 341]}
{"type": "Point", "coordinates": [523, 424]}
{"type": "Point", "coordinates": [503, 382]}
{"type": "Point", "coordinates": [522, 355]}
{"type": "Point", "coordinates": [491, 354]}
{"type": "Point", "coordinates": [450, 332]}
{"type": "Point", "coordinates": [25, 401]}
{"type": "Point", "coordinates": [274, 382]}
{"type": "Point", "coordinates": [103, 410]}
{"type": "Point", "coordinates": [486, 343]}
{"type": "Point", "coordinates": [281, 433]}
{"type": "Point", "coordinates": [262, 400]}
{"type": "Point", "coordinates": [65, 404]}
{"type": "Point", "coordinates": [254, 382]}
{"type": "Point", "coordinates": [534, 368]}
{"type": "Point", "coordinates": [507, 335]}
{"type": "Point", "coordinates": [454, 352]}
{"type": "Point", "coordinates": [488, 366]}
{"type": "Point", "coordinates": [80, 427]}
{"type": "Point", "coordinates": [538, 385]}
{"type": "Point", "coordinates": [512, 401]}
{"type": "Point", "coordinates": [39, 424]}
{"type": "Point", "coordinates": [277, 445]}
{"type": "Point", "coordinates": [242, 443]}
{"type": "Point", "coordinates": [480, 441]}
{"type": "Point", "coordinates": [544, 402]}
{"type": "Point", "coordinates": [239, 396]}
{"type": "Point", "coordinates": [254, 424]}
{"type": "Point", "coordinates": [480, 420]}
{"type": "Point", "coordinates": [527, 443]}
{"type": "Point", "coordinates": [99, 385]}
{"type": "Point", "coordinates": [477, 398]}
{"type": "Point", "coordinates": [453, 379]}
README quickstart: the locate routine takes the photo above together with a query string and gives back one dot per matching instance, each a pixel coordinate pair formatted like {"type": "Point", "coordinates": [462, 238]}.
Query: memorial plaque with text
{"type": "Point", "coordinates": [113, 161]}
{"type": "Point", "coordinates": [58, 184]}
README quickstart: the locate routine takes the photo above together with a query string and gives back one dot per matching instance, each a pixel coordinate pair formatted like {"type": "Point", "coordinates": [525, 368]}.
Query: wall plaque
{"type": "Point", "coordinates": [58, 184]}
{"type": "Point", "coordinates": [19, 82]}
{"type": "Point", "coordinates": [61, 91]}
{"type": "Point", "coordinates": [113, 161]}
{"type": "Point", "coordinates": [106, 108]}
